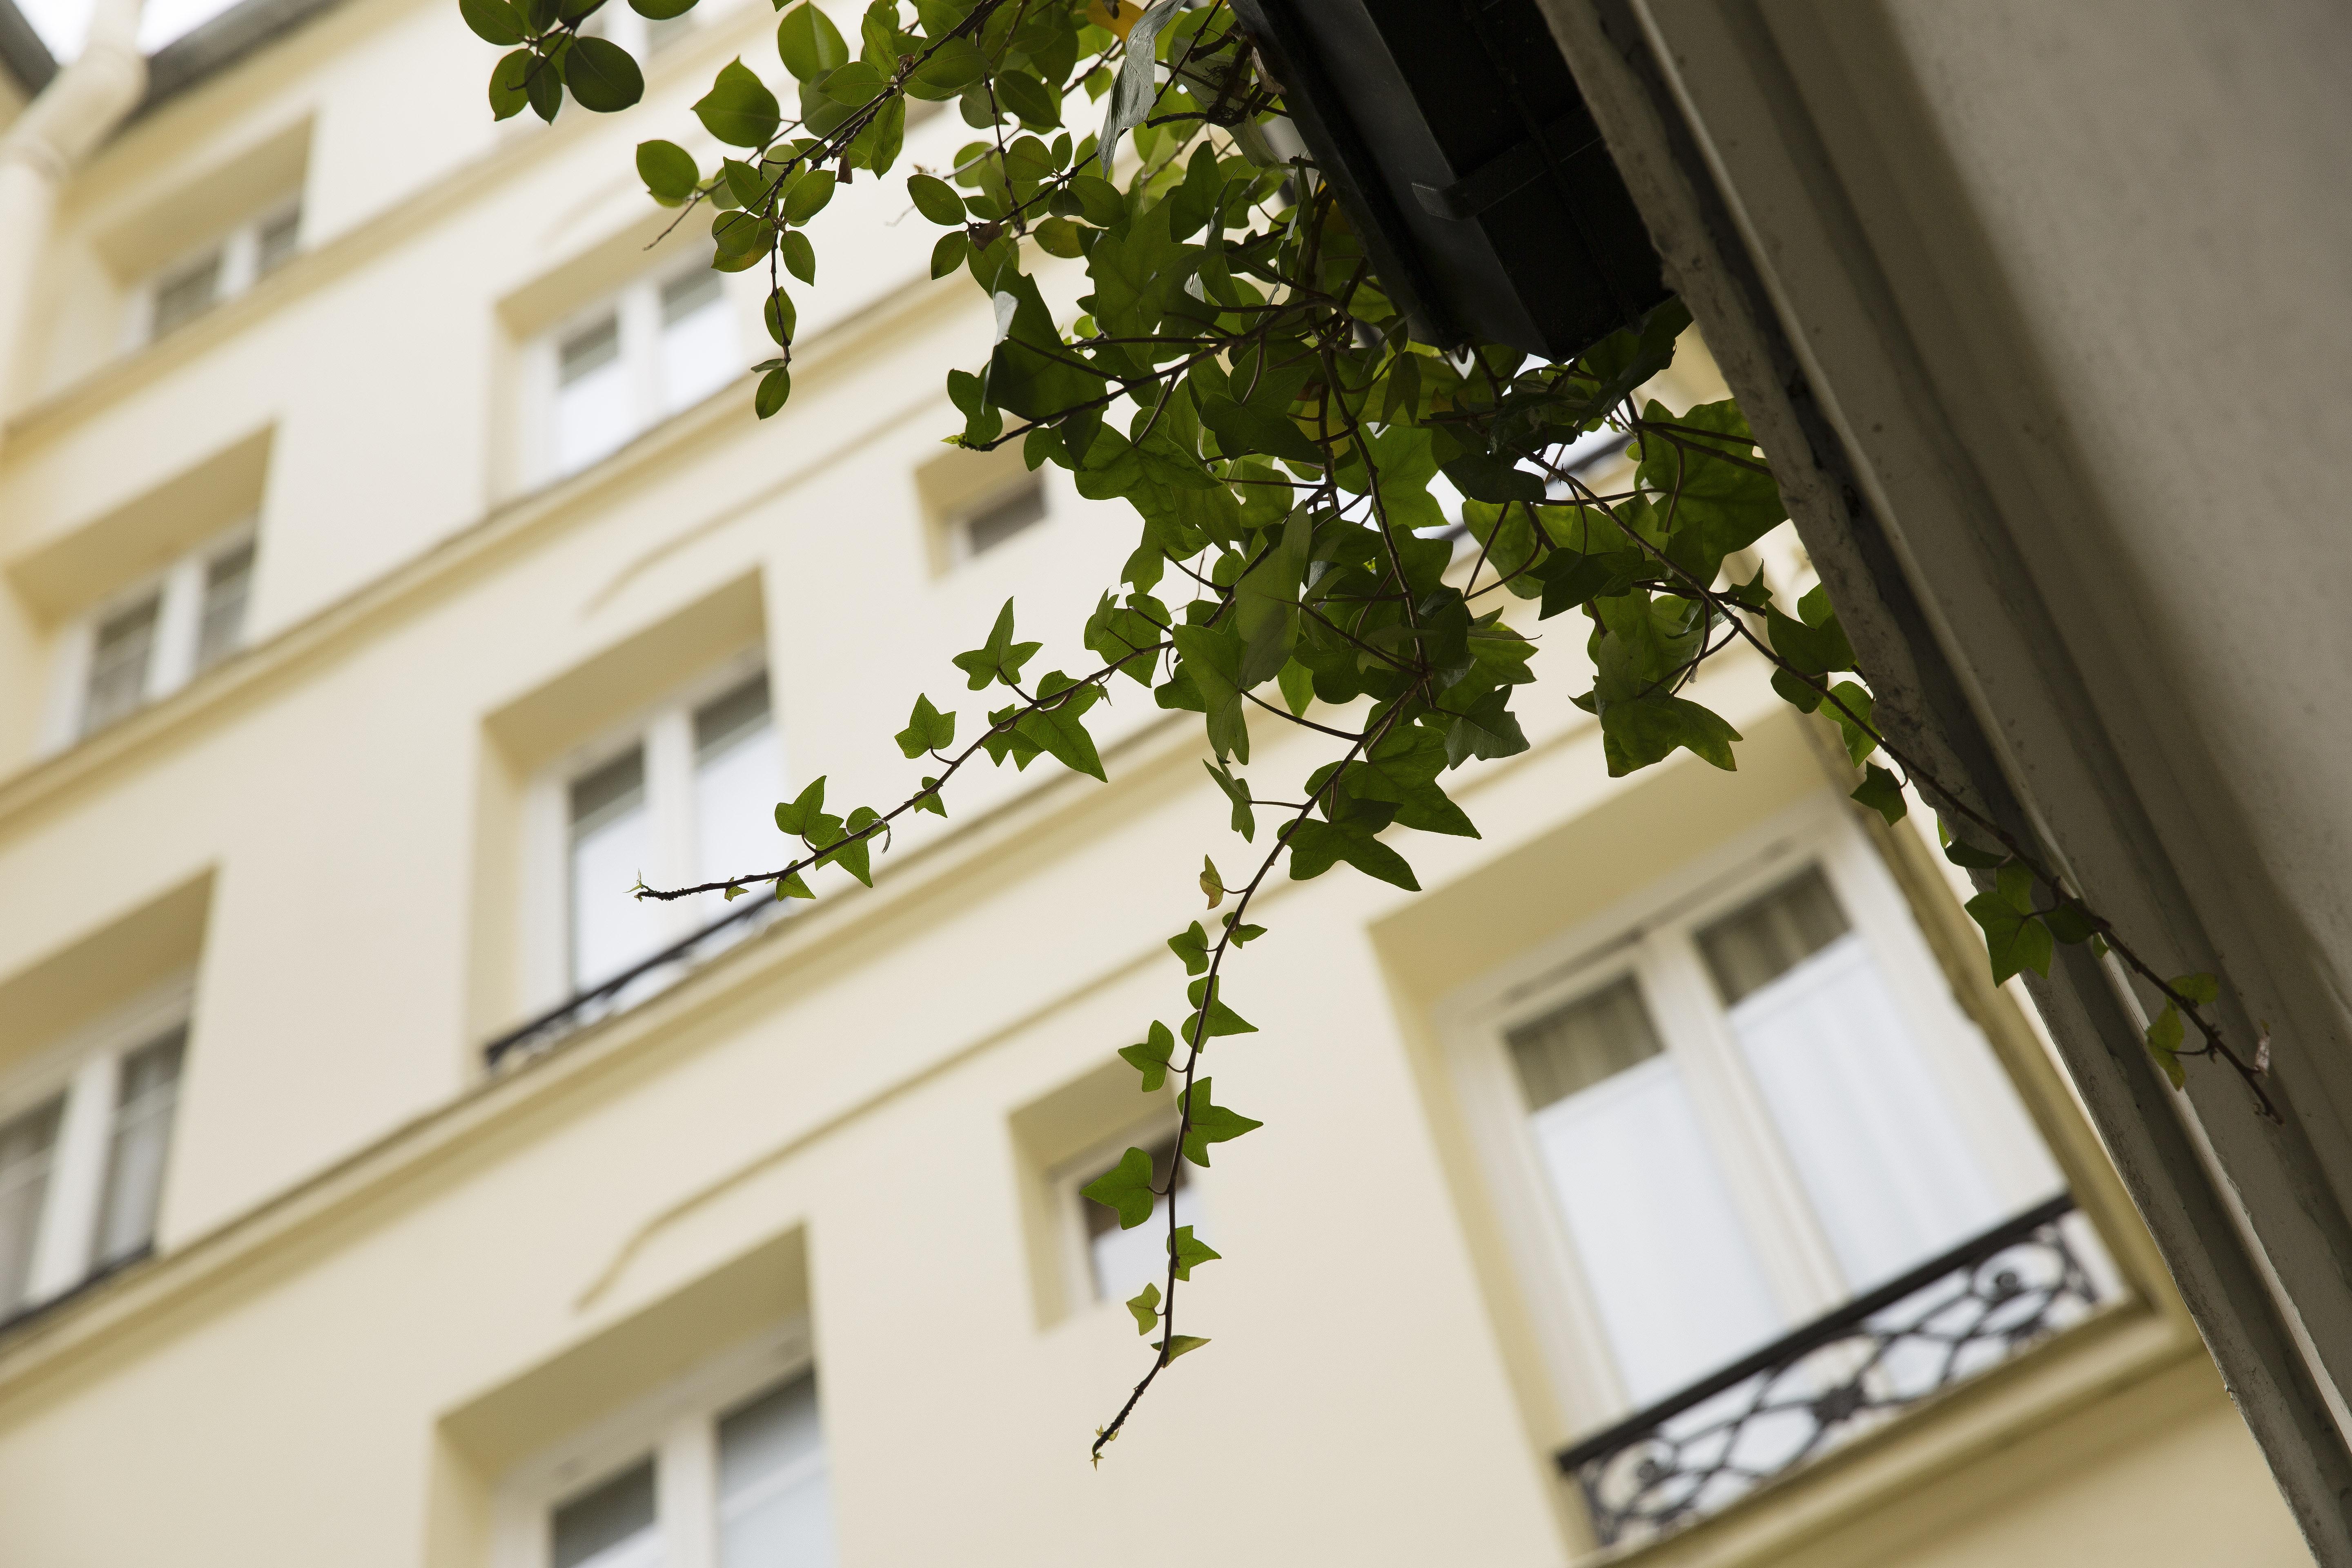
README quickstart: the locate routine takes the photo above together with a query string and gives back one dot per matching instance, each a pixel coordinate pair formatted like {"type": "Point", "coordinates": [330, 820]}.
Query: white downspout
{"type": "Point", "coordinates": [82, 104]}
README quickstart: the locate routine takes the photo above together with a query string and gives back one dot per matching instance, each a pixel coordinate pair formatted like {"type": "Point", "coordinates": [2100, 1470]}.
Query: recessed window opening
{"type": "Point", "coordinates": [223, 269]}
{"type": "Point", "coordinates": [28, 1146]}
{"type": "Point", "coordinates": [774, 1511]}
{"type": "Point", "coordinates": [153, 640]}
{"type": "Point", "coordinates": [997, 521]}
{"type": "Point", "coordinates": [611, 1525]}
{"type": "Point", "coordinates": [147, 1096]}
{"type": "Point", "coordinates": [1121, 1262]}
{"type": "Point", "coordinates": [659, 347]}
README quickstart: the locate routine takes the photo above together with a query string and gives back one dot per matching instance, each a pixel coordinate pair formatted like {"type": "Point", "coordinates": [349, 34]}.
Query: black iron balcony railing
{"type": "Point", "coordinates": [637, 982]}
{"type": "Point", "coordinates": [1943, 1322]}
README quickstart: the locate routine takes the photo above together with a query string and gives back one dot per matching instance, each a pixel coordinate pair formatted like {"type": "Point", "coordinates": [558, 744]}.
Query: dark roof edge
{"type": "Point", "coordinates": [220, 42]}
{"type": "Point", "coordinates": [22, 52]}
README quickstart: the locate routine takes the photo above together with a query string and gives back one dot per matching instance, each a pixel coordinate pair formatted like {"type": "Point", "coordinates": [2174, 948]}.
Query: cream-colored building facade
{"type": "Point", "coordinates": [393, 569]}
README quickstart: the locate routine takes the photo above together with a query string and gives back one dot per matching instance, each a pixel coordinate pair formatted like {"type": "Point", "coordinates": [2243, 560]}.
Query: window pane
{"type": "Point", "coordinates": [612, 1525]}
{"type": "Point", "coordinates": [1892, 1174]}
{"type": "Point", "coordinates": [698, 352]}
{"type": "Point", "coordinates": [612, 844]}
{"type": "Point", "coordinates": [118, 664]}
{"type": "Point", "coordinates": [1667, 1262]}
{"type": "Point", "coordinates": [274, 246]}
{"type": "Point", "coordinates": [772, 1508]}
{"type": "Point", "coordinates": [1002, 519]}
{"type": "Point", "coordinates": [595, 408]}
{"type": "Point", "coordinates": [1122, 1262]}
{"type": "Point", "coordinates": [28, 1144]}
{"type": "Point", "coordinates": [147, 1092]}
{"type": "Point", "coordinates": [1756, 944]}
{"type": "Point", "coordinates": [228, 584]}
{"type": "Point", "coordinates": [738, 769]}
{"type": "Point", "coordinates": [182, 295]}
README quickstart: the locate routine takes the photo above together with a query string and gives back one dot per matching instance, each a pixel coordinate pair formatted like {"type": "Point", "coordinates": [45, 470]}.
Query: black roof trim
{"type": "Point", "coordinates": [22, 52]}
{"type": "Point", "coordinates": [220, 42]}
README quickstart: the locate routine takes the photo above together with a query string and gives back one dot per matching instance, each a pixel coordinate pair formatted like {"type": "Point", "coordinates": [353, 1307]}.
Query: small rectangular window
{"type": "Point", "coordinates": [595, 407]}
{"type": "Point", "coordinates": [699, 353]}
{"type": "Point", "coordinates": [1763, 939]}
{"type": "Point", "coordinates": [186, 293]}
{"type": "Point", "coordinates": [992, 524]}
{"type": "Point", "coordinates": [612, 844]}
{"type": "Point", "coordinates": [147, 1093]}
{"type": "Point", "coordinates": [612, 1525]}
{"type": "Point", "coordinates": [228, 584]}
{"type": "Point", "coordinates": [275, 241]}
{"type": "Point", "coordinates": [28, 1146]}
{"type": "Point", "coordinates": [119, 657]}
{"type": "Point", "coordinates": [1121, 1262]}
{"type": "Point", "coordinates": [772, 1508]}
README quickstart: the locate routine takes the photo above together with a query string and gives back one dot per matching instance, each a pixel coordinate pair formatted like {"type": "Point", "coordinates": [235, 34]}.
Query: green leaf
{"type": "Point", "coordinates": [2014, 884]}
{"type": "Point", "coordinates": [1237, 792]}
{"type": "Point", "coordinates": [948, 253]}
{"type": "Point", "coordinates": [1484, 476]}
{"type": "Point", "coordinates": [1815, 651]}
{"type": "Point", "coordinates": [2070, 923]}
{"type": "Point", "coordinates": [2163, 1038]}
{"type": "Point", "coordinates": [1000, 658]}
{"type": "Point", "coordinates": [955, 65]}
{"type": "Point", "coordinates": [1212, 884]}
{"type": "Point", "coordinates": [745, 184]}
{"type": "Point", "coordinates": [1059, 731]}
{"type": "Point", "coordinates": [1130, 96]}
{"type": "Point", "coordinates": [935, 199]}
{"type": "Point", "coordinates": [1206, 1124]}
{"type": "Point", "coordinates": [2201, 989]}
{"type": "Point", "coordinates": [661, 10]}
{"type": "Point", "coordinates": [1210, 1016]}
{"type": "Point", "coordinates": [544, 86]}
{"type": "Point", "coordinates": [799, 255]}
{"type": "Point", "coordinates": [775, 388]}
{"type": "Point", "coordinates": [780, 316]}
{"type": "Point", "coordinates": [806, 195]}
{"type": "Point", "coordinates": [2013, 939]}
{"type": "Point", "coordinates": [1182, 1344]}
{"type": "Point", "coordinates": [1145, 1305]}
{"type": "Point", "coordinates": [1316, 846]}
{"type": "Point", "coordinates": [1851, 709]}
{"type": "Point", "coordinates": [739, 109]}
{"type": "Point", "coordinates": [1486, 730]}
{"type": "Point", "coordinates": [602, 76]}
{"type": "Point", "coordinates": [1126, 1188]}
{"type": "Point", "coordinates": [667, 170]}
{"type": "Point", "coordinates": [1963, 853]}
{"type": "Point", "coordinates": [1715, 491]}
{"type": "Point", "coordinates": [853, 854]}
{"type": "Point", "coordinates": [808, 43]}
{"type": "Point", "coordinates": [493, 21]}
{"type": "Point", "coordinates": [1027, 97]}
{"type": "Point", "coordinates": [1266, 603]}
{"type": "Point", "coordinates": [1189, 1253]}
{"type": "Point", "coordinates": [1191, 945]}
{"type": "Point", "coordinates": [792, 887]}
{"type": "Point", "coordinates": [928, 730]}
{"type": "Point", "coordinates": [1032, 373]}
{"type": "Point", "coordinates": [1879, 792]}
{"type": "Point", "coordinates": [1634, 735]}
{"type": "Point", "coordinates": [802, 817]}
{"type": "Point", "coordinates": [1212, 657]}
{"type": "Point", "coordinates": [507, 94]}
{"type": "Point", "coordinates": [1152, 1057]}
{"type": "Point", "coordinates": [1240, 428]}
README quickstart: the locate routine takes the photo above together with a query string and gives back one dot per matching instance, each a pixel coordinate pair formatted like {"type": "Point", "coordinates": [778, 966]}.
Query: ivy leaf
{"type": "Point", "coordinates": [2201, 989]}
{"type": "Point", "coordinates": [797, 817]}
{"type": "Point", "coordinates": [928, 730]}
{"type": "Point", "coordinates": [1206, 1124]}
{"type": "Point", "coordinates": [1032, 373]}
{"type": "Point", "coordinates": [1637, 733]}
{"type": "Point", "coordinates": [1815, 651]}
{"type": "Point", "coordinates": [1152, 1056]}
{"type": "Point", "coordinates": [1126, 1188]}
{"type": "Point", "coordinates": [1211, 1018]}
{"type": "Point", "coordinates": [1212, 657]}
{"type": "Point", "coordinates": [602, 76]}
{"type": "Point", "coordinates": [1316, 846]}
{"type": "Point", "coordinates": [1189, 1253]}
{"type": "Point", "coordinates": [792, 887]}
{"type": "Point", "coordinates": [1145, 1305]}
{"type": "Point", "coordinates": [1237, 791]}
{"type": "Point", "coordinates": [1212, 884]}
{"type": "Point", "coordinates": [1879, 792]}
{"type": "Point", "coordinates": [853, 855]}
{"type": "Point", "coordinates": [2069, 923]}
{"type": "Point", "coordinates": [1000, 658]}
{"type": "Point", "coordinates": [2163, 1038]}
{"type": "Point", "coordinates": [1488, 730]}
{"type": "Point", "coordinates": [1851, 717]}
{"type": "Point", "coordinates": [1266, 603]}
{"type": "Point", "coordinates": [1966, 855]}
{"type": "Point", "coordinates": [739, 109]}
{"type": "Point", "coordinates": [1191, 945]}
{"type": "Point", "coordinates": [1240, 428]}
{"type": "Point", "coordinates": [2014, 939]}
{"type": "Point", "coordinates": [1059, 730]}
{"type": "Point", "coordinates": [1182, 1344]}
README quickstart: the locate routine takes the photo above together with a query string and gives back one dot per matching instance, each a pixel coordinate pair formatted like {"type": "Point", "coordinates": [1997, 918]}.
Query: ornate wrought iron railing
{"type": "Point", "coordinates": [637, 982]}
{"type": "Point", "coordinates": [1943, 1322]}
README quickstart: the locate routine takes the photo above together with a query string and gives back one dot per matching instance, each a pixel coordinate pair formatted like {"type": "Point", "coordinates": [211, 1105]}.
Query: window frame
{"type": "Point", "coordinates": [241, 254]}
{"type": "Point", "coordinates": [665, 728]}
{"type": "Point", "coordinates": [85, 1067]}
{"type": "Point", "coordinates": [637, 310]}
{"type": "Point", "coordinates": [676, 1423]}
{"type": "Point", "coordinates": [171, 661]}
{"type": "Point", "coordinates": [1653, 931]}
{"type": "Point", "coordinates": [1074, 1243]}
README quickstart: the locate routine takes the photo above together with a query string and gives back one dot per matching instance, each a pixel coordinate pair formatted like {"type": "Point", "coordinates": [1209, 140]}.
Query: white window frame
{"type": "Point", "coordinates": [85, 1066]}
{"type": "Point", "coordinates": [677, 1425]}
{"type": "Point", "coordinates": [666, 731]}
{"type": "Point", "coordinates": [1070, 1204]}
{"type": "Point", "coordinates": [1642, 934]}
{"type": "Point", "coordinates": [240, 269]}
{"type": "Point", "coordinates": [637, 310]}
{"type": "Point", "coordinates": [179, 623]}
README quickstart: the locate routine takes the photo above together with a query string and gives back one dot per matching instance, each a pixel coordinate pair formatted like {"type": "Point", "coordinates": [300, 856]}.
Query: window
{"type": "Point", "coordinates": [152, 640]}
{"type": "Point", "coordinates": [687, 796]}
{"type": "Point", "coordinates": [222, 270]}
{"type": "Point", "coordinates": [83, 1148]}
{"type": "Point", "coordinates": [1760, 1104]}
{"type": "Point", "coordinates": [659, 347]}
{"type": "Point", "coordinates": [1119, 1263]}
{"type": "Point", "coordinates": [727, 1470]}
{"type": "Point", "coordinates": [997, 520]}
